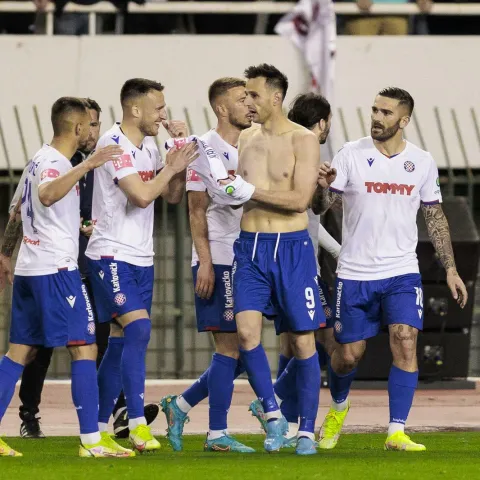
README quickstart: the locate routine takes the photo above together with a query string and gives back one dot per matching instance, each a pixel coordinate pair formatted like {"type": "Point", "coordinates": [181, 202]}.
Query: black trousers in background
{"type": "Point", "coordinates": [34, 374]}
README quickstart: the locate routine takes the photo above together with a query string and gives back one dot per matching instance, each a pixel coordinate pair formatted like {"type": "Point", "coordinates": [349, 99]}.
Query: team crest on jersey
{"type": "Point", "coordinates": [409, 166]}
{"type": "Point", "coordinates": [91, 328]}
{"type": "Point", "coordinates": [228, 315]}
{"type": "Point", "coordinates": [327, 311]}
{"type": "Point", "coordinates": [338, 327]}
{"type": "Point", "coordinates": [120, 299]}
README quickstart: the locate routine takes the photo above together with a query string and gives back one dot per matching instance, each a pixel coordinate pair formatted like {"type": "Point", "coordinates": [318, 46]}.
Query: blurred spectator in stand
{"type": "Point", "coordinates": [69, 23]}
{"type": "Point", "coordinates": [16, 23]}
{"type": "Point", "coordinates": [366, 24]}
{"type": "Point", "coordinates": [458, 25]}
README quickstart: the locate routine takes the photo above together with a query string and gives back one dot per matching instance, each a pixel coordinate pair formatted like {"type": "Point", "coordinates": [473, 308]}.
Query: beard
{"type": "Point", "coordinates": [82, 145]}
{"type": "Point", "coordinates": [148, 129]}
{"type": "Point", "coordinates": [240, 123]}
{"type": "Point", "coordinates": [324, 136]}
{"type": "Point", "coordinates": [386, 133]}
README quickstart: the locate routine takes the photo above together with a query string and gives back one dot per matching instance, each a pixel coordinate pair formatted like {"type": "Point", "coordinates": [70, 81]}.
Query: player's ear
{"type": "Point", "coordinates": [322, 124]}
{"type": "Point", "coordinates": [277, 99]}
{"type": "Point", "coordinates": [78, 129]}
{"type": "Point", "coordinates": [404, 121]}
{"type": "Point", "coordinates": [221, 110]}
{"type": "Point", "coordinates": [136, 111]}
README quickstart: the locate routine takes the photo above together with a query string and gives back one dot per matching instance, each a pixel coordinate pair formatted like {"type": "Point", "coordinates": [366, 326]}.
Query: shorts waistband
{"type": "Point", "coordinates": [274, 237]}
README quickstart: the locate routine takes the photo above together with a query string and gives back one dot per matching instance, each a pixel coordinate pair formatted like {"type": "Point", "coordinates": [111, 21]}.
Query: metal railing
{"type": "Point", "coordinates": [232, 7]}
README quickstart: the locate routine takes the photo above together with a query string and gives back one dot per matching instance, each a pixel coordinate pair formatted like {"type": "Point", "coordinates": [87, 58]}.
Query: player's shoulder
{"type": "Point", "coordinates": [249, 133]}
{"type": "Point", "coordinates": [113, 136]}
{"type": "Point", "coordinates": [49, 154]}
{"type": "Point", "coordinates": [419, 154]}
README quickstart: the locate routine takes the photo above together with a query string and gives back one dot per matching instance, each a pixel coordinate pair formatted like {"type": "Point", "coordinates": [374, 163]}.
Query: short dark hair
{"type": "Point", "coordinates": [222, 86]}
{"type": "Point", "coordinates": [93, 105]}
{"type": "Point", "coordinates": [308, 109]}
{"type": "Point", "coordinates": [136, 87]}
{"type": "Point", "coordinates": [403, 97]}
{"type": "Point", "coordinates": [64, 107]}
{"type": "Point", "coordinates": [273, 76]}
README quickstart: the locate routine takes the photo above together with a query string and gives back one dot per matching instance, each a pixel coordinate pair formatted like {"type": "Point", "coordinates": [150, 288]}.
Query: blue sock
{"type": "Point", "coordinates": [286, 388]}
{"type": "Point", "coordinates": [240, 368]}
{"type": "Point", "coordinates": [85, 394]}
{"type": "Point", "coordinates": [260, 376]}
{"type": "Point", "coordinates": [308, 392]}
{"type": "Point", "coordinates": [340, 384]}
{"type": "Point", "coordinates": [401, 388]}
{"type": "Point", "coordinates": [220, 389]}
{"type": "Point", "coordinates": [282, 364]}
{"type": "Point", "coordinates": [198, 391]}
{"type": "Point", "coordinates": [137, 336]}
{"type": "Point", "coordinates": [110, 378]}
{"type": "Point", "coordinates": [10, 372]}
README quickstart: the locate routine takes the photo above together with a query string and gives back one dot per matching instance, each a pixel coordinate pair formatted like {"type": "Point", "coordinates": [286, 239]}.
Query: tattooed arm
{"type": "Point", "coordinates": [439, 234]}
{"type": "Point", "coordinates": [323, 199]}
{"type": "Point", "coordinates": [12, 233]}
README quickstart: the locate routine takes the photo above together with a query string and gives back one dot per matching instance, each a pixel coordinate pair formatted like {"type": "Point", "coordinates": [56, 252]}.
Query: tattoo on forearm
{"type": "Point", "coordinates": [439, 234]}
{"type": "Point", "coordinates": [323, 199]}
{"type": "Point", "coordinates": [12, 233]}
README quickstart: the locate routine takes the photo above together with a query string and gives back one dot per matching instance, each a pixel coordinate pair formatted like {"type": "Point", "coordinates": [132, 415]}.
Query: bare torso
{"type": "Point", "coordinates": [268, 162]}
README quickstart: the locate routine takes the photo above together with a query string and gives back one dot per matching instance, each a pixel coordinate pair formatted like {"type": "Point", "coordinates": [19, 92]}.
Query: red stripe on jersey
{"type": "Point", "coordinates": [49, 173]}
{"type": "Point", "coordinates": [122, 162]}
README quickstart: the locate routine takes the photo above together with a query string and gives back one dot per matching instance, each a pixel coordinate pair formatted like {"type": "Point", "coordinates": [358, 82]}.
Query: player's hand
{"type": "Point", "coordinates": [364, 5]}
{"type": "Point", "coordinates": [5, 271]}
{"type": "Point", "coordinates": [180, 158]}
{"type": "Point", "coordinates": [457, 287]}
{"type": "Point", "coordinates": [104, 155]}
{"type": "Point", "coordinates": [424, 5]}
{"type": "Point", "coordinates": [86, 230]}
{"type": "Point", "coordinates": [326, 175]}
{"type": "Point", "coordinates": [205, 281]}
{"type": "Point", "coordinates": [176, 128]}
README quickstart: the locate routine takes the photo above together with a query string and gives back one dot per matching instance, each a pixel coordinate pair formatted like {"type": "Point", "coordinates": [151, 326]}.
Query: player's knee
{"type": "Point", "coordinates": [143, 330]}
{"type": "Point", "coordinates": [248, 340]}
{"type": "Point", "coordinates": [403, 342]}
{"type": "Point", "coordinates": [83, 352]}
{"type": "Point", "coordinates": [227, 344]}
{"type": "Point", "coordinates": [350, 355]}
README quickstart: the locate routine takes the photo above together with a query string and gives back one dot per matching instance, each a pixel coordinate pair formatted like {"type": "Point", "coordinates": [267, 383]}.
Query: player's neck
{"type": "Point", "coordinates": [66, 146]}
{"type": "Point", "coordinates": [228, 132]}
{"type": "Point", "coordinates": [276, 124]}
{"type": "Point", "coordinates": [132, 132]}
{"type": "Point", "coordinates": [393, 146]}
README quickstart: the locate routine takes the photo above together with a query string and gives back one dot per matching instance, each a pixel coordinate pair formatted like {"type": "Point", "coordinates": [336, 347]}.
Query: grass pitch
{"type": "Point", "coordinates": [449, 456]}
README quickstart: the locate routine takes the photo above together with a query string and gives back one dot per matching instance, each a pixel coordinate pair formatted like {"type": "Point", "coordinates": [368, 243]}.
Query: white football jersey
{"type": "Point", "coordinates": [381, 197]}
{"type": "Point", "coordinates": [122, 230]}
{"type": "Point", "coordinates": [50, 234]}
{"type": "Point", "coordinates": [223, 221]}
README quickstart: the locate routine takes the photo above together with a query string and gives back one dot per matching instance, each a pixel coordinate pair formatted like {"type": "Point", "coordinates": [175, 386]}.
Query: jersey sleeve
{"type": "Point", "coordinates": [194, 182]}
{"type": "Point", "coordinates": [340, 163]}
{"type": "Point", "coordinates": [430, 193]}
{"type": "Point", "coordinates": [121, 167]}
{"type": "Point", "coordinates": [50, 169]}
{"type": "Point", "coordinates": [19, 190]}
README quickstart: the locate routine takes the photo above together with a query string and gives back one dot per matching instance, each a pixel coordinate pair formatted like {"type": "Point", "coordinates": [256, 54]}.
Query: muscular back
{"type": "Point", "coordinates": [268, 161]}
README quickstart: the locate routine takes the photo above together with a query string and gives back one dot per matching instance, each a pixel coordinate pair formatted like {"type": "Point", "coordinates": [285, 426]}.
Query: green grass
{"type": "Point", "coordinates": [358, 456]}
